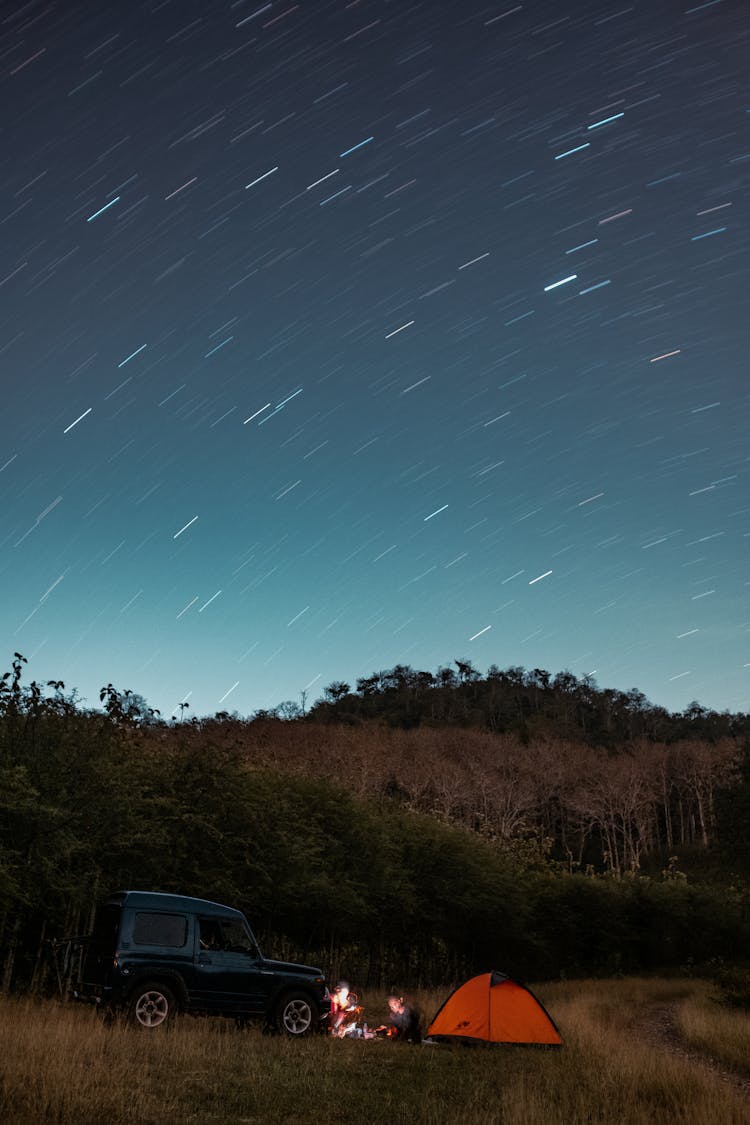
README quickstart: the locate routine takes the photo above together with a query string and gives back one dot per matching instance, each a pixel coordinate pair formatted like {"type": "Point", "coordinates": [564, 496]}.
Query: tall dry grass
{"type": "Point", "coordinates": [722, 1033]}
{"type": "Point", "coordinates": [60, 1063]}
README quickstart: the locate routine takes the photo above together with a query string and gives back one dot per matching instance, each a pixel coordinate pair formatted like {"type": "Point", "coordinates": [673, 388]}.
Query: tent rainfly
{"type": "Point", "coordinates": [492, 1008]}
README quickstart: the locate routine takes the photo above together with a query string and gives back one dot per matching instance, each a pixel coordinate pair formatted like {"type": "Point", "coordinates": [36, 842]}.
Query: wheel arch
{"type": "Point", "coordinates": [170, 979]}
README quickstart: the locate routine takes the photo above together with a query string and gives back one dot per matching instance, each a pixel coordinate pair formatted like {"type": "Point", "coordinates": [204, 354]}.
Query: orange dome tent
{"type": "Point", "coordinates": [492, 1008]}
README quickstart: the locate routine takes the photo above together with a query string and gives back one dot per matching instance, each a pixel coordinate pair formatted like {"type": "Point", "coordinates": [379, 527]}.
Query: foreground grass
{"type": "Point", "coordinates": [722, 1033]}
{"type": "Point", "coordinates": [61, 1064]}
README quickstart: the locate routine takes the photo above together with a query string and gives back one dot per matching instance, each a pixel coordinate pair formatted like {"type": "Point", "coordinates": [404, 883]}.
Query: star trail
{"type": "Point", "coordinates": [338, 335]}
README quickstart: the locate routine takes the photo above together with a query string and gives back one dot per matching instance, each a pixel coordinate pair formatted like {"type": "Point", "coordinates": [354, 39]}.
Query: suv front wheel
{"type": "Point", "coordinates": [151, 1005]}
{"type": "Point", "coordinates": [296, 1014]}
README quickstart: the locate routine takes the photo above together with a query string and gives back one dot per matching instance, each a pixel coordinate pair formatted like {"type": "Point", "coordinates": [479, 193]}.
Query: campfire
{"type": "Point", "coordinates": [346, 1018]}
{"type": "Point", "coordinates": [346, 1011]}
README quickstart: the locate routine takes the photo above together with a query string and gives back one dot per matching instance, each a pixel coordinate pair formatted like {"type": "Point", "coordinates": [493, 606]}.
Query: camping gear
{"type": "Point", "coordinates": [492, 1008]}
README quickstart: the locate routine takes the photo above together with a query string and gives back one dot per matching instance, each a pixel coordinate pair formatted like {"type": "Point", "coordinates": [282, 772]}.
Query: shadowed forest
{"type": "Point", "coordinates": [415, 829]}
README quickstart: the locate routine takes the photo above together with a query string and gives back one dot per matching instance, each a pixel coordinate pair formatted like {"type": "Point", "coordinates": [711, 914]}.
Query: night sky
{"type": "Point", "coordinates": [340, 335]}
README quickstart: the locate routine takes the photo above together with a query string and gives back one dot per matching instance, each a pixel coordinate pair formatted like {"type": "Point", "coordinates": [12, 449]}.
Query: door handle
{"type": "Point", "coordinates": [203, 959]}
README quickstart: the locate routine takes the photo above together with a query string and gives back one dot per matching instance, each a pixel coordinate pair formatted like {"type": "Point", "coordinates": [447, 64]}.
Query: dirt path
{"type": "Point", "coordinates": [659, 1025]}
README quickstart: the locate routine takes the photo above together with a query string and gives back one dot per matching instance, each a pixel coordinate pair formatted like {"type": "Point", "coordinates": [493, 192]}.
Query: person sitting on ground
{"type": "Point", "coordinates": [404, 1019]}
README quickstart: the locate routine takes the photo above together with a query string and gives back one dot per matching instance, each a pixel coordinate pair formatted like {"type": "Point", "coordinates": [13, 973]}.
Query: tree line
{"type": "Point", "coordinates": [526, 703]}
{"type": "Point", "coordinates": [383, 855]}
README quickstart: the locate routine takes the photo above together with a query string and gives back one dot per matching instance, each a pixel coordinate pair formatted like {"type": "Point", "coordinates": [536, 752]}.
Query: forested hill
{"type": "Point", "coordinates": [527, 703]}
{"type": "Point", "coordinates": [415, 854]}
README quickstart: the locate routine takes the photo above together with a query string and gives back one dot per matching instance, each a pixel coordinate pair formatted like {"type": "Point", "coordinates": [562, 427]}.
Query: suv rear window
{"type": "Point", "coordinates": [160, 929]}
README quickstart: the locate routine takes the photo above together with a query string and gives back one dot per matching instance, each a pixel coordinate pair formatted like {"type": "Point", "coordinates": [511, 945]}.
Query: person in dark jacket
{"type": "Point", "coordinates": [404, 1019]}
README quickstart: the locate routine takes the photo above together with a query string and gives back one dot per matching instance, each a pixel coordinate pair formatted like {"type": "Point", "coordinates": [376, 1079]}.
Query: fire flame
{"type": "Point", "coordinates": [345, 1013]}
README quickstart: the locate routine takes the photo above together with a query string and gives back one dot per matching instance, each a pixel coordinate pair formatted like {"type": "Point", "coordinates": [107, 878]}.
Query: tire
{"type": "Point", "coordinates": [296, 1014]}
{"type": "Point", "coordinates": [151, 1005]}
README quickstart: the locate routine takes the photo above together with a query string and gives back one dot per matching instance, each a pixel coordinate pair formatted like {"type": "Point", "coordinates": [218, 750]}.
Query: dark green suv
{"type": "Point", "coordinates": [153, 955]}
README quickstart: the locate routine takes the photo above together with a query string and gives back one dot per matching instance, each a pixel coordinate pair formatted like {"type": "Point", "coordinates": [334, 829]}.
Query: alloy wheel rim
{"type": "Point", "coordinates": [297, 1017]}
{"type": "Point", "coordinates": [152, 1009]}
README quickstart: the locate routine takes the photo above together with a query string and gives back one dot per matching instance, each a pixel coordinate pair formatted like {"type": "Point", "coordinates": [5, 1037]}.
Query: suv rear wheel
{"type": "Point", "coordinates": [151, 1005]}
{"type": "Point", "coordinates": [296, 1014]}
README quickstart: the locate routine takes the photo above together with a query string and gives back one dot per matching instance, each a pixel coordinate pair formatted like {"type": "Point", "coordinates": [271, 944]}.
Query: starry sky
{"type": "Point", "coordinates": [339, 335]}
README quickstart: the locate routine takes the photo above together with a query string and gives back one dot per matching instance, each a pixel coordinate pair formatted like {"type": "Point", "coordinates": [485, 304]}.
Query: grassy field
{"type": "Point", "coordinates": [721, 1033]}
{"type": "Point", "coordinates": [60, 1063]}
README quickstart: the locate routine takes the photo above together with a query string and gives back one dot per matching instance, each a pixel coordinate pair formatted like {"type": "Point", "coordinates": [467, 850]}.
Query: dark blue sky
{"type": "Point", "coordinates": [337, 335]}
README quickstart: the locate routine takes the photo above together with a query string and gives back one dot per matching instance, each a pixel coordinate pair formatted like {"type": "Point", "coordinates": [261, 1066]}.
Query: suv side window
{"type": "Point", "coordinates": [224, 934]}
{"type": "Point", "coordinates": [160, 929]}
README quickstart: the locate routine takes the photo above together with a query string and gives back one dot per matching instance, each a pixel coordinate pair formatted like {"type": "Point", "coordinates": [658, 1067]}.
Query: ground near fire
{"type": "Point", "coordinates": [405, 835]}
